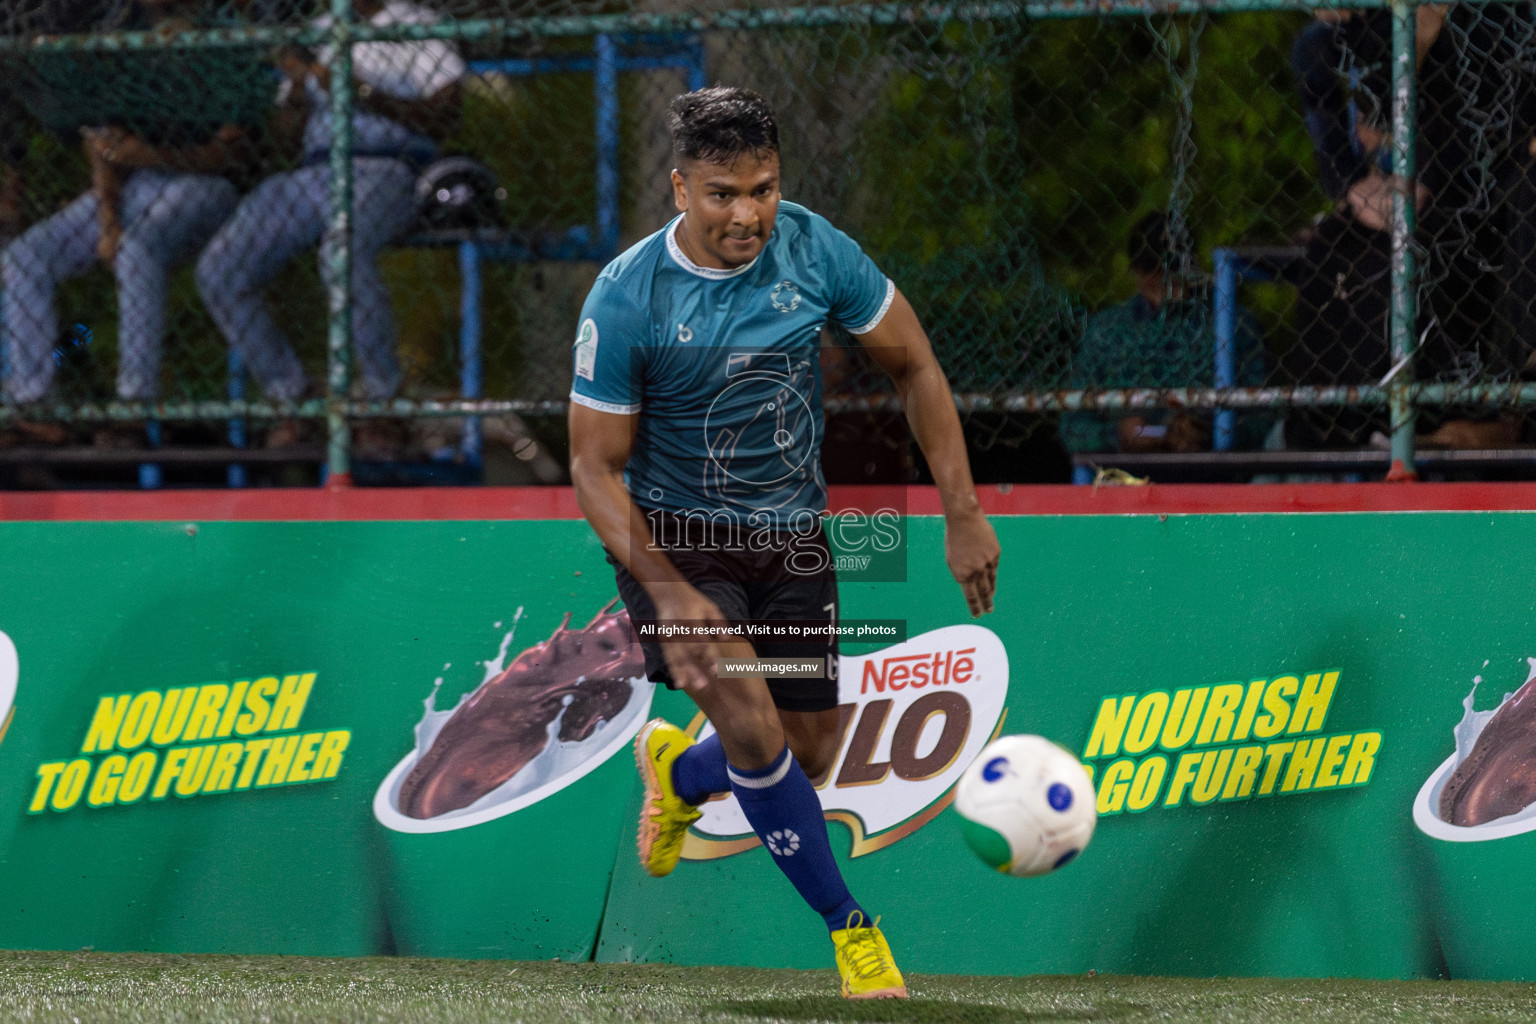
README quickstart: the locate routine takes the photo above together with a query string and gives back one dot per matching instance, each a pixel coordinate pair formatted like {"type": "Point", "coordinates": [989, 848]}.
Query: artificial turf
{"type": "Point", "coordinates": [87, 988]}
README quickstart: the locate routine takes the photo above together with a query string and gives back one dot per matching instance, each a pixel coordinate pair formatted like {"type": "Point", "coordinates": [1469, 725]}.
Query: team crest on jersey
{"type": "Point", "coordinates": [785, 297]}
{"type": "Point", "coordinates": [586, 349]}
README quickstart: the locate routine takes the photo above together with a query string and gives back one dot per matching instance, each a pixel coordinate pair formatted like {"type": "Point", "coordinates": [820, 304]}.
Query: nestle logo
{"type": "Point", "coordinates": [941, 668]}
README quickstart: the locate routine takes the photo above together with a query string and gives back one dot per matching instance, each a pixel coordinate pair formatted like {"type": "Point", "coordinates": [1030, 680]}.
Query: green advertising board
{"type": "Point", "coordinates": [250, 737]}
{"type": "Point", "coordinates": [364, 619]}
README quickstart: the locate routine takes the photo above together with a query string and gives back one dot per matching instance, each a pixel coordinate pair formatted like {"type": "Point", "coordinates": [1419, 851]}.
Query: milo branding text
{"type": "Point", "coordinates": [910, 718]}
{"type": "Point", "coordinates": [1229, 741]}
{"type": "Point", "coordinates": [191, 741]}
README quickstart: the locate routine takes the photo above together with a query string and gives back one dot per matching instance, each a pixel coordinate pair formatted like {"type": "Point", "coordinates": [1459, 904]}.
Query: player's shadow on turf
{"type": "Point", "coordinates": [916, 1011]}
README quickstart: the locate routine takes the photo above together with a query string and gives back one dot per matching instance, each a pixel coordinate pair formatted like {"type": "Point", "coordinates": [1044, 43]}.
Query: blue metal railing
{"type": "Point", "coordinates": [598, 242]}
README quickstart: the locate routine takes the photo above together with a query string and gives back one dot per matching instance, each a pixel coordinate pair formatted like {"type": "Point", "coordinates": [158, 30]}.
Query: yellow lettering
{"type": "Point", "coordinates": [1250, 707]}
{"type": "Point", "coordinates": [1117, 783]}
{"type": "Point", "coordinates": [1362, 758]}
{"type": "Point", "coordinates": [288, 708]}
{"type": "Point", "coordinates": [141, 768]}
{"type": "Point", "coordinates": [173, 716]}
{"type": "Point", "coordinates": [139, 720]}
{"type": "Point", "coordinates": [1146, 722]}
{"type": "Point", "coordinates": [1333, 758]}
{"type": "Point", "coordinates": [1220, 714]}
{"type": "Point", "coordinates": [1184, 718]}
{"type": "Point", "coordinates": [328, 762]}
{"type": "Point", "coordinates": [196, 770]}
{"type": "Point", "coordinates": [1312, 705]}
{"type": "Point", "coordinates": [221, 776]}
{"type": "Point", "coordinates": [46, 775]}
{"type": "Point", "coordinates": [1303, 767]}
{"type": "Point", "coordinates": [1243, 773]}
{"type": "Point", "coordinates": [253, 751]}
{"type": "Point", "coordinates": [1109, 726]}
{"type": "Point", "coordinates": [1277, 709]}
{"type": "Point", "coordinates": [256, 706]}
{"type": "Point", "coordinates": [71, 784]}
{"type": "Point", "coordinates": [204, 718]}
{"type": "Point", "coordinates": [1275, 757]}
{"type": "Point", "coordinates": [275, 769]}
{"type": "Point", "coordinates": [1213, 772]}
{"type": "Point", "coordinates": [104, 724]}
{"type": "Point", "coordinates": [175, 758]}
{"type": "Point", "coordinates": [109, 775]}
{"type": "Point", "coordinates": [1147, 784]}
{"type": "Point", "coordinates": [231, 709]}
{"type": "Point", "coordinates": [304, 757]}
{"type": "Point", "coordinates": [1183, 775]}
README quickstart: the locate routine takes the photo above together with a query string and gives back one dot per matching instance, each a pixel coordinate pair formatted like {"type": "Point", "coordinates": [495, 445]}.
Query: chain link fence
{"type": "Point", "coordinates": [253, 237]}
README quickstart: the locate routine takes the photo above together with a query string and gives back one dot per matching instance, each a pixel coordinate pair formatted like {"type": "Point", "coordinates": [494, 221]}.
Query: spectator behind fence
{"type": "Point", "coordinates": [1317, 59]}
{"type": "Point", "coordinates": [158, 192]}
{"type": "Point", "coordinates": [1163, 337]}
{"type": "Point", "coordinates": [1476, 216]}
{"type": "Point", "coordinates": [407, 98]}
{"type": "Point", "coordinates": [17, 126]}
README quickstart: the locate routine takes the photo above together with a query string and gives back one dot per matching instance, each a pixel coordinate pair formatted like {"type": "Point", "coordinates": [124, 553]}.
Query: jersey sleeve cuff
{"type": "Point", "coordinates": [890, 296]}
{"type": "Point", "coordinates": [613, 407]}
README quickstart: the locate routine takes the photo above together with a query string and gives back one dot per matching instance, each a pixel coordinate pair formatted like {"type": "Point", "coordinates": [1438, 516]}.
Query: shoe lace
{"type": "Point", "coordinates": [866, 955]}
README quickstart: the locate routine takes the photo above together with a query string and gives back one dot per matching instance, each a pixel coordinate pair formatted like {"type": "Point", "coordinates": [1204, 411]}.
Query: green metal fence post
{"type": "Point", "coordinates": [1404, 269]}
{"type": "Point", "coordinates": [338, 250]}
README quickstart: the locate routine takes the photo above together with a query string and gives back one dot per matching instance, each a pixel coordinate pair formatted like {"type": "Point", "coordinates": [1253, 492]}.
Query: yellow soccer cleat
{"type": "Point", "coordinates": [664, 817]}
{"type": "Point", "coordinates": [865, 962]}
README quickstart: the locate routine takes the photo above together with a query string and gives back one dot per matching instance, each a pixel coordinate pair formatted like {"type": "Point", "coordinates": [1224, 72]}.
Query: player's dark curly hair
{"type": "Point", "coordinates": [719, 124]}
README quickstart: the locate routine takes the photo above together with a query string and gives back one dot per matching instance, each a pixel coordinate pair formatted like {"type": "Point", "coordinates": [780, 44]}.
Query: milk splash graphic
{"type": "Point", "coordinates": [559, 764]}
{"type": "Point", "coordinates": [10, 673]}
{"type": "Point", "coordinates": [1426, 805]}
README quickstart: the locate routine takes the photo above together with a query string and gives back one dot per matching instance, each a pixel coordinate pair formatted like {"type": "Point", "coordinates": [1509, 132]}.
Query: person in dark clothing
{"type": "Point", "coordinates": [1315, 59]}
{"type": "Point", "coordinates": [1473, 202]}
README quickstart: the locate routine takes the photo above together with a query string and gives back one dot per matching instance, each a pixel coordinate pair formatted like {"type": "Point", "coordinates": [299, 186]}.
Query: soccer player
{"type": "Point", "coordinates": [695, 426]}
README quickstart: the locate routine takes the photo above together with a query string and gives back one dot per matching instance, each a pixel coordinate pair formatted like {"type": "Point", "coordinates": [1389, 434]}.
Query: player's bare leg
{"type": "Point", "coordinates": [812, 736]}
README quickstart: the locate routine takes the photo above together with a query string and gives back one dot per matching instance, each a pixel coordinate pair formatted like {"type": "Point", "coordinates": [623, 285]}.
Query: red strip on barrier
{"type": "Point", "coordinates": [475, 503]}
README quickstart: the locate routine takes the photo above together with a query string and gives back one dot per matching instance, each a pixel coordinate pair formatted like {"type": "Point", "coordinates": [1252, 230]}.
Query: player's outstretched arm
{"type": "Point", "coordinates": [600, 447]}
{"type": "Point", "coordinates": [899, 344]}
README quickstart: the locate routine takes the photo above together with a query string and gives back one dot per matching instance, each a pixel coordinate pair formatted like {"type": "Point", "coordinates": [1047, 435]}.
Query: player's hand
{"type": "Point", "coordinates": [691, 662]}
{"type": "Point", "coordinates": [98, 140]}
{"type": "Point", "coordinates": [971, 549]}
{"type": "Point", "coordinates": [128, 150]}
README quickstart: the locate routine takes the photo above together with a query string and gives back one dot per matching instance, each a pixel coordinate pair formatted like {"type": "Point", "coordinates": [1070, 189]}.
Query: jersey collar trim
{"type": "Point", "coordinates": [709, 273]}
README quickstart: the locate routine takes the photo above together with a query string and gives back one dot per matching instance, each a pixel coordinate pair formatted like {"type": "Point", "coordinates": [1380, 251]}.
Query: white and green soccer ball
{"type": "Point", "coordinates": [1026, 805]}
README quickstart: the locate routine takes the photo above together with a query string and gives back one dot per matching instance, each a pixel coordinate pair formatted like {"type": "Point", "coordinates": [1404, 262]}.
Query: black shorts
{"type": "Point", "coordinates": [750, 585]}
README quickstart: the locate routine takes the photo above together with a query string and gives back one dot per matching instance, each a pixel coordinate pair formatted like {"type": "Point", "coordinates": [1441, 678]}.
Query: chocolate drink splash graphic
{"type": "Point", "coordinates": [1498, 777]}
{"type": "Point", "coordinates": [579, 676]}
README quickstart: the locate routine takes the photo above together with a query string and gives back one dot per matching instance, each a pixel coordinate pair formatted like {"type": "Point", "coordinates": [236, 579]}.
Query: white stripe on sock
{"type": "Point", "coordinates": [773, 778]}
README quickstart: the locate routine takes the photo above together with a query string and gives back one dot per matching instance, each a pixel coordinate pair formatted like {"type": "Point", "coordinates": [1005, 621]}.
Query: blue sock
{"type": "Point", "coordinates": [786, 814]}
{"type": "Point", "coordinates": [699, 772]}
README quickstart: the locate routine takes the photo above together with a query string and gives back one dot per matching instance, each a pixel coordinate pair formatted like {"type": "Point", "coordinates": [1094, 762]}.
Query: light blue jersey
{"type": "Point", "coordinates": [723, 366]}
